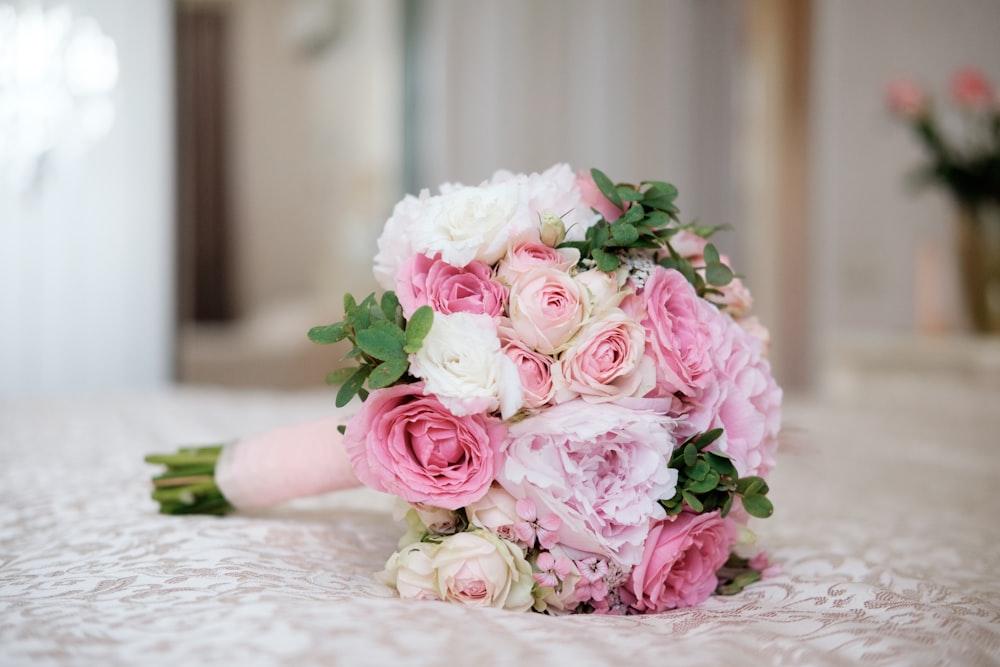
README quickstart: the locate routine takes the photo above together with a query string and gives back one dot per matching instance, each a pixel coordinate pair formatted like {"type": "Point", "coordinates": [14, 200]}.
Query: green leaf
{"type": "Point", "coordinates": [330, 333]}
{"type": "Point", "coordinates": [758, 506]}
{"type": "Point", "coordinates": [720, 464]}
{"type": "Point", "coordinates": [383, 340]}
{"type": "Point", "coordinates": [605, 261]}
{"type": "Point", "coordinates": [748, 486]}
{"type": "Point", "coordinates": [705, 485]}
{"type": "Point", "coordinates": [340, 375]}
{"type": "Point", "coordinates": [718, 273]}
{"type": "Point", "coordinates": [386, 373]}
{"type": "Point", "coordinates": [699, 470]}
{"type": "Point", "coordinates": [726, 506]}
{"type": "Point", "coordinates": [711, 254]}
{"type": "Point", "coordinates": [633, 215]}
{"type": "Point", "coordinates": [628, 193]}
{"type": "Point", "coordinates": [690, 455]}
{"type": "Point", "coordinates": [390, 306]}
{"type": "Point", "coordinates": [623, 233]}
{"type": "Point", "coordinates": [693, 501]}
{"type": "Point", "coordinates": [686, 270]}
{"type": "Point", "coordinates": [352, 386]}
{"type": "Point", "coordinates": [707, 438]}
{"type": "Point", "coordinates": [606, 187]}
{"type": "Point", "coordinates": [341, 429]}
{"type": "Point", "coordinates": [350, 305]}
{"type": "Point", "coordinates": [417, 328]}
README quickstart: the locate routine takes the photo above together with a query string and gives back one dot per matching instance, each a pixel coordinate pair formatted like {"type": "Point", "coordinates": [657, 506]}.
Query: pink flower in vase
{"type": "Point", "coordinates": [970, 89]}
{"type": "Point", "coordinates": [906, 98]}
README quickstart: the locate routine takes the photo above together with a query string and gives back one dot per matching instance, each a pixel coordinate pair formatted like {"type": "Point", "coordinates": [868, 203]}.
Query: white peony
{"type": "Point", "coordinates": [462, 364]}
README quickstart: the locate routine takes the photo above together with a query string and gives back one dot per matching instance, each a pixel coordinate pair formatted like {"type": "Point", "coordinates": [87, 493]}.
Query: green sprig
{"type": "Point", "coordinates": [708, 481]}
{"type": "Point", "coordinates": [649, 222]}
{"type": "Point", "coordinates": [382, 340]}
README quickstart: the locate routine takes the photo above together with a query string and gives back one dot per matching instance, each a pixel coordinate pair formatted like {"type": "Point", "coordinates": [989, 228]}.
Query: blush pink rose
{"type": "Point", "coordinates": [677, 334]}
{"type": "Point", "coordinates": [679, 562]}
{"type": "Point", "coordinates": [449, 289]}
{"type": "Point", "coordinates": [535, 371]}
{"type": "Point", "coordinates": [410, 445]}
{"type": "Point", "coordinates": [528, 253]}
{"type": "Point", "coordinates": [606, 362]}
{"type": "Point", "coordinates": [595, 199]}
{"type": "Point", "coordinates": [546, 309]}
{"type": "Point", "coordinates": [970, 89]}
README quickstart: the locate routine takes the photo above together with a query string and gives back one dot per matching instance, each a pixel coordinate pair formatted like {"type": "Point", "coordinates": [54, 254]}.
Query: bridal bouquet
{"type": "Point", "coordinates": [562, 384]}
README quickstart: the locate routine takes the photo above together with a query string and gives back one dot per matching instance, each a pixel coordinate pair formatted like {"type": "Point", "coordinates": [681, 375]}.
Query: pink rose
{"type": "Point", "coordinates": [535, 371]}
{"type": "Point", "coordinates": [605, 362]}
{"type": "Point", "coordinates": [906, 98]}
{"type": "Point", "coordinates": [970, 89]}
{"type": "Point", "coordinates": [599, 468]}
{"type": "Point", "coordinates": [677, 334]}
{"type": "Point", "coordinates": [546, 309]}
{"type": "Point", "coordinates": [679, 563]}
{"type": "Point", "coordinates": [449, 289]}
{"type": "Point", "coordinates": [527, 253]}
{"type": "Point", "coordinates": [595, 199]}
{"type": "Point", "coordinates": [410, 445]}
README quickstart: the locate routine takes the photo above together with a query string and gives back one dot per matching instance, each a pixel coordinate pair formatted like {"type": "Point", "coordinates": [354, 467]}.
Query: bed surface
{"type": "Point", "coordinates": [885, 528]}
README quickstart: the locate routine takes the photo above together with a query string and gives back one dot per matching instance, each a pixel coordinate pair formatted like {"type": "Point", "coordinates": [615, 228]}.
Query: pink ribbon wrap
{"type": "Point", "coordinates": [286, 463]}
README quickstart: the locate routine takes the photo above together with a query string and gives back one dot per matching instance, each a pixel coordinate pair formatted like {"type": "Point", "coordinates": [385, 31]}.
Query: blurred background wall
{"type": "Point", "coordinates": [281, 132]}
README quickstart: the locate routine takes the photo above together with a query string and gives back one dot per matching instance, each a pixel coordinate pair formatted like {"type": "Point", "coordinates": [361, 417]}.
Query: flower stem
{"type": "Point", "coordinates": [188, 486]}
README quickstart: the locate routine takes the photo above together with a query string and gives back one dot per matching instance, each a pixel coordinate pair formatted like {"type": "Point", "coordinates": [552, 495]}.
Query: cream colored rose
{"type": "Point", "coordinates": [479, 569]}
{"type": "Point", "coordinates": [410, 571]}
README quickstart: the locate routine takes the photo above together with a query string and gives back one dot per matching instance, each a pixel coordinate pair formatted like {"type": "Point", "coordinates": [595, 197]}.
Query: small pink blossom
{"type": "Point", "coordinates": [970, 89]}
{"type": "Point", "coordinates": [532, 527]}
{"type": "Point", "coordinates": [552, 570]}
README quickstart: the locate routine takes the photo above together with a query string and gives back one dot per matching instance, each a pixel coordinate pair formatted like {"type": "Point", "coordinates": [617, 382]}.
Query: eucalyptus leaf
{"type": "Point", "coordinates": [623, 233]}
{"type": "Point", "coordinates": [352, 386]}
{"type": "Point", "coordinates": [718, 273]}
{"type": "Point", "coordinates": [690, 455]}
{"type": "Point", "coordinates": [708, 483]}
{"type": "Point", "coordinates": [693, 501]}
{"type": "Point", "coordinates": [383, 340]}
{"type": "Point", "coordinates": [758, 506]}
{"type": "Point", "coordinates": [390, 306]}
{"type": "Point", "coordinates": [711, 254]}
{"type": "Point", "coordinates": [417, 328]}
{"type": "Point", "coordinates": [386, 373]}
{"type": "Point", "coordinates": [605, 261]}
{"type": "Point", "coordinates": [606, 187]}
{"type": "Point", "coordinates": [330, 333]}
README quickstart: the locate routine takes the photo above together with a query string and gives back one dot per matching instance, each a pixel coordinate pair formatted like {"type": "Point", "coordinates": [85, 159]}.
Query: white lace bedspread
{"type": "Point", "coordinates": [886, 527]}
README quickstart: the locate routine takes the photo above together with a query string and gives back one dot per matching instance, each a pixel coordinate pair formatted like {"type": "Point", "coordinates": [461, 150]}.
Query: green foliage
{"type": "Point", "coordinates": [651, 219]}
{"type": "Point", "coordinates": [382, 340]}
{"type": "Point", "coordinates": [708, 481]}
{"type": "Point", "coordinates": [735, 575]}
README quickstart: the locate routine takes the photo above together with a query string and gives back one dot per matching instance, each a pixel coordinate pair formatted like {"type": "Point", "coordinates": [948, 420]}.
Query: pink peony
{"type": "Point", "coordinates": [546, 309]}
{"type": "Point", "coordinates": [553, 192]}
{"type": "Point", "coordinates": [595, 199]}
{"type": "Point", "coordinates": [449, 289]}
{"type": "Point", "coordinates": [600, 468]}
{"type": "Point", "coordinates": [970, 89]}
{"type": "Point", "coordinates": [410, 445]}
{"type": "Point", "coordinates": [679, 563]}
{"type": "Point", "coordinates": [906, 98]}
{"type": "Point", "coordinates": [605, 362]}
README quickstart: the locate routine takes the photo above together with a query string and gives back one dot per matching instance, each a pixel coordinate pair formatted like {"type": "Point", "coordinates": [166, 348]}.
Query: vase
{"type": "Point", "coordinates": [979, 255]}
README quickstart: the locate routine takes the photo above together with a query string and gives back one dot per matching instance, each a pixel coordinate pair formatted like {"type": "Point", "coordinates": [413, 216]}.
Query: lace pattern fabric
{"type": "Point", "coordinates": [885, 529]}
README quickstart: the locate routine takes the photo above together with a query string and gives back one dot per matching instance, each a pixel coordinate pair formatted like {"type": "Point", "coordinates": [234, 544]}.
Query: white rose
{"type": "Point", "coordinates": [479, 569]}
{"type": "Point", "coordinates": [395, 245]}
{"type": "Point", "coordinates": [470, 223]}
{"type": "Point", "coordinates": [410, 571]}
{"type": "Point", "coordinates": [495, 512]}
{"type": "Point", "coordinates": [462, 364]}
